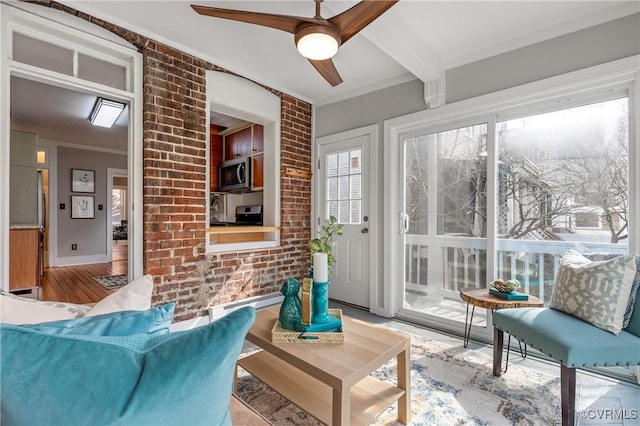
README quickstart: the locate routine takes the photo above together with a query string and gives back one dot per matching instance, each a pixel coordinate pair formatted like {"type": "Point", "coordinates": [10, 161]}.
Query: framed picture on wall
{"type": "Point", "coordinates": [83, 180]}
{"type": "Point", "coordinates": [82, 207]}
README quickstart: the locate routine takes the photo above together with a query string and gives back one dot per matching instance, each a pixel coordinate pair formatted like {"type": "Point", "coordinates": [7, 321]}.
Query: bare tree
{"type": "Point", "coordinates": [416, 185]}
{"type": "Point", "coordinates": [599, 185]}
{"type": "Point", "coordinates": [461, 175]}
{"type": "Point", "coordinates": [532, 204]}
{"type": "Point", "coordinates": [538, 197]}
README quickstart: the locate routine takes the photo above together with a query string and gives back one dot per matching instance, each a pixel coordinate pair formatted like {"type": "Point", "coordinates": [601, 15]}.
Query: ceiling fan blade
{"type": "Point", "coordinates": [328, 70]}
{"type": "Point", "coordinates": [351, 21]}
{"type": "Point", "coordinates": [279, 22]}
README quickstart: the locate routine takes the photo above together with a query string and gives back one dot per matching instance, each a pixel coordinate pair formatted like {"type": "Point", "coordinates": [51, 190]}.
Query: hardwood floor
{"type": "Point", "coordinates": [75, 284]}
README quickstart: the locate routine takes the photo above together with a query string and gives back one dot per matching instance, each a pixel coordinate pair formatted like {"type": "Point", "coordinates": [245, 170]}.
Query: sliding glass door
{"type": "Point", "coordinates": [507, 197]}
{"type": "Point", "coordinates": [445, 216]}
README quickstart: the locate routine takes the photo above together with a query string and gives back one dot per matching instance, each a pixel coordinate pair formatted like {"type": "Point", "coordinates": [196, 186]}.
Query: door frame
{"type": "Point", "coordinates": [376, 301]}
{"type": "Point", "coordinates": [42, 25]}
{"type": "Point", "coordinates": [112, 173]}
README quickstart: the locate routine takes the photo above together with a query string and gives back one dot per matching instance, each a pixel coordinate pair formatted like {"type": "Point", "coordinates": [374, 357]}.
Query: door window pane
{"type": "Point", "coordinates": [344, 180]}
{"type": "Point", "coordinates": [355, 187]}
{"type": "Point", "coordinates": [343, 187]}
{"type": "Point", "coordinates": [332, 188]}
{"type": "Point", "coordinates": [332, 165]}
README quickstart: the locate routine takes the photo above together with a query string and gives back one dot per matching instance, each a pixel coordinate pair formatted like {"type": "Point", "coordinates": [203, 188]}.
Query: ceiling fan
{"type": "Point", "coordinates": [317, 39]}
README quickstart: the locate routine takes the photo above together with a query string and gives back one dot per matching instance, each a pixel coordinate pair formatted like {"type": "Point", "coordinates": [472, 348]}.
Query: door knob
{"type": "Point", "coordinates": [364, 231]}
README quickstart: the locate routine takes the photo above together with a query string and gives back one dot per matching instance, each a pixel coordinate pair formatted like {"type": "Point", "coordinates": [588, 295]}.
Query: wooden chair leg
{"type": "Point", "coordinates": [568, 394]}
{"type": "Point", "coordinates": [498, 342]}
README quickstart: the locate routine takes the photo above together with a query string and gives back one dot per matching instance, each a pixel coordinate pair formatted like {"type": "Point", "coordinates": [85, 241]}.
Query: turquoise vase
{"type": "Point", "coordinates": [291, 309]}
{"type": "Point", "coordinates": [320, 302]}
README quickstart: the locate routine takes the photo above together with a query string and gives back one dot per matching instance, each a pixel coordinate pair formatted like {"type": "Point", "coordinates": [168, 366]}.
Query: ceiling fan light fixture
{"type": "Point", "coordinates": [317, 42]}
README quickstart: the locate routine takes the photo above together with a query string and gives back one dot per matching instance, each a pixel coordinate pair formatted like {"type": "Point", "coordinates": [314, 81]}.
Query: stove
{"type": "Point", "coordinates": [245, 216]}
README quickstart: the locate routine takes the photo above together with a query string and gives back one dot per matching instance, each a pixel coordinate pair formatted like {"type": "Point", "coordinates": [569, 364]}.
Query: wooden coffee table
{"type": "Point", "coordinates": [332, 382]}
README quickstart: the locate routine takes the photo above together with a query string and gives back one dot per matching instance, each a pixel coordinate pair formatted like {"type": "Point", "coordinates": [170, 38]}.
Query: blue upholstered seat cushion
{"type": "Point", "coordinates": [173, 379]}
{"type": "Point", "coordinates": [596, 292]}
{"type": "Point", "coordinates": [152, 321]}
{"type": "Point", "coordinates": [565, 338]}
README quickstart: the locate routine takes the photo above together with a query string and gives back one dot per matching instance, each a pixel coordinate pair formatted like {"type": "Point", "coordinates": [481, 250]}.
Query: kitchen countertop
{"type": "Point", "coordinates": [240, 229]}
{"type": "Point", "coordinates": [25, 227]}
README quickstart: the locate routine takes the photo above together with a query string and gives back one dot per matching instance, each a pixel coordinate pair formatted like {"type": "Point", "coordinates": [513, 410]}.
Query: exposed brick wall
{"type": "Point", "coordinates": [174, 116]}
{"type": "Point", "coordinates": [174, 173]}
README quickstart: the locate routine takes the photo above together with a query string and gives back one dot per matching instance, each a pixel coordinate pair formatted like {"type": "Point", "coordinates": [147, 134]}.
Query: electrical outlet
{"type": "Point", "coordinates": [74, 247]}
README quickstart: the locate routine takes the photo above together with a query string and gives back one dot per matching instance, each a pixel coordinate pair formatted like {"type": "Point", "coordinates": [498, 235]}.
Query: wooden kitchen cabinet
{"type": "Point", "coordinates": [258, 138]}
{"type": "Point", "coordinates": [244, 142]}
{"type": "Point", "coordinates": [24, 258]}
{"type": "Point", "coordinates": [257, 173]}
{"type": "Point", "coordinates": [237, 144]}
{"type": "Point", "coordinates": [248, 142]}
{"type": "Point", "coordinates": [215, 156]}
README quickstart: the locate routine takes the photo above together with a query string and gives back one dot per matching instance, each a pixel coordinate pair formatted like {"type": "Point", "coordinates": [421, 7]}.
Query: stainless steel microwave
{"type": "Point", "coordinates": [235, 175]}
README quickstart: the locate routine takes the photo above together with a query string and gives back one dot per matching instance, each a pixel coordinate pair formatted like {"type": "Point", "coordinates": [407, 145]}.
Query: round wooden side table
{"type": "Point", "coordinates": [482, 298]}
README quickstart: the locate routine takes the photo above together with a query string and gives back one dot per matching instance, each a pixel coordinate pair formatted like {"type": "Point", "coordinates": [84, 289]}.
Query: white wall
{"type": "Point", "coordinates": [88, 234]}
{"type": "Point", "coordinates": [582, 49]}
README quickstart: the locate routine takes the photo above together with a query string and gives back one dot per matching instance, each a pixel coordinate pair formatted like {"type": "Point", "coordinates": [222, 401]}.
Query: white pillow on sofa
{"type": "Point", "coordinates": [21, 310]}
{"type": "Point", "coordinates": [135, 296]}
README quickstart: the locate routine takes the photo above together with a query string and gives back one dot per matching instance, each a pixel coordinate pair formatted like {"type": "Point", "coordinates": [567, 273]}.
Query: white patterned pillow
{"type": "Point", "coordinates": [596, 292]}
{"type": "Point", "coordinates": [635, 286]}
{"type": "Point", "coordinates": [21, 310]}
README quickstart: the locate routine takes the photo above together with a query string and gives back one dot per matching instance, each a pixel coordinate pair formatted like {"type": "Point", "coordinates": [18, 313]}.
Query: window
{"type": "Point", "coordinates": [238, 97]}
{"type": "Point", "coordinates": [344, 180]}
{"type": "Point", "coordinates": [562, 180]}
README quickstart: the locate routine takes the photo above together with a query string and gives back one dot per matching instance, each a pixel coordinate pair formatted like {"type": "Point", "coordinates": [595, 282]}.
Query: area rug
{"type": "Point", "coordinates": [112, 282]}
{"type": "Point", "coordinates": [450, 385]}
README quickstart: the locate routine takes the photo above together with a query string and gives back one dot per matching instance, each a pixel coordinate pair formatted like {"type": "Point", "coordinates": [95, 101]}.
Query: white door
{"type": "Point", "coordinates": [343, 188]}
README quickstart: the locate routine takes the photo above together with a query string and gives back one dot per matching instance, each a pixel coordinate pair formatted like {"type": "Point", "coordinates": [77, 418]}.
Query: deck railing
{"type": "Point", "coordinates": [439, 267]}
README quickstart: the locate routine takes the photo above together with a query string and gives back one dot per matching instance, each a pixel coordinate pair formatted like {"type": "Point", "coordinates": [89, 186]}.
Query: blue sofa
{"type": "Point", "coordinates": [124, 368]}
{"type": "Point", "coordinates": [570, 341]}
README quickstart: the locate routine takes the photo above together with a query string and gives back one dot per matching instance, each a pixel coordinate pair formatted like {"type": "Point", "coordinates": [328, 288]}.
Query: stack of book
{"type": "Point", "coordinates": [514, 295]}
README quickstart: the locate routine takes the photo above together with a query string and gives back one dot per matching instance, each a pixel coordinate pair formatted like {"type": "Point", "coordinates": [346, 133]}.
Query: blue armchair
{"type": "Point", "coordinates": [572, 342]}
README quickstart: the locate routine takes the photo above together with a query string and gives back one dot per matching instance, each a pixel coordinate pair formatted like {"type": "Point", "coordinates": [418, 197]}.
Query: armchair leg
{"type": "Point", "coordinates": [498, 342]}
{"type": "Point", "coordinates": [568, 394]}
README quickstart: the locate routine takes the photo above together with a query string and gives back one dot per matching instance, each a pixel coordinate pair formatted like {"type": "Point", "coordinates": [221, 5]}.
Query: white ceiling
{"type": "Point", "coordinates": [62, 115]}
{"type": "Point", "coordinates": [413, 39]}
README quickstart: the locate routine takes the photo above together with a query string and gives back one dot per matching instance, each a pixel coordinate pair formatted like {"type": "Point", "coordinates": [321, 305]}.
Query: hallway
{"type": "Point", "coordinates": [75, 284]}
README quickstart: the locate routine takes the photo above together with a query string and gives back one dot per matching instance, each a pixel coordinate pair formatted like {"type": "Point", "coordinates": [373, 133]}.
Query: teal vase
{"type": "Point", "coordinates": [320, 303]}
{"type": "Point", "coordinates": [291, 308]}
